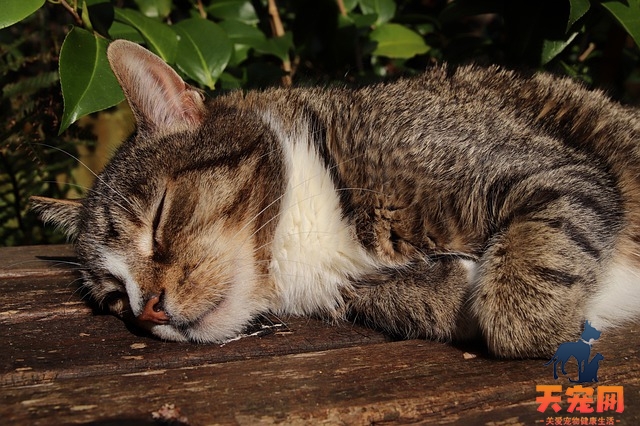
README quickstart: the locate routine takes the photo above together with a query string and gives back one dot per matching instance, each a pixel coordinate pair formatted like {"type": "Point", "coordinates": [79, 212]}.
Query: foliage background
{"type": "Point", "coordinates": [55, 47]}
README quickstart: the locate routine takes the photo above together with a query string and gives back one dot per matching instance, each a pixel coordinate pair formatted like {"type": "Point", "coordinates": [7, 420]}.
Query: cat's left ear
{"type": "Point", "coordinates": [161, 101]}
{"type": "Point", "coordinates": [65, 214]}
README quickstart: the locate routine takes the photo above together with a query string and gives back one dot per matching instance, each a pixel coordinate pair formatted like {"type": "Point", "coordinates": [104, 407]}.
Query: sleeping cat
{"type": "Point", "coordinates": [464, 201]}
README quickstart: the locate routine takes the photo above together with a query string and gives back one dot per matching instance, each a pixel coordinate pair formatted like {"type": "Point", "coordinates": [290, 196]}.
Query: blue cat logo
{"type": "Point", "coordinates": [581, 351]}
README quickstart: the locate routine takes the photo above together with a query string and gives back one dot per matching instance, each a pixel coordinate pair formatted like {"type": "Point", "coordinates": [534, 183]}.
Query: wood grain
{"type": "Point", "coordinates": [61, 362]}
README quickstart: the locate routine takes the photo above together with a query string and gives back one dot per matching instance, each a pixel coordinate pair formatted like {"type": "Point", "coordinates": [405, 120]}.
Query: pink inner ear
{"type": "Point", "coordinates": [159, 98]}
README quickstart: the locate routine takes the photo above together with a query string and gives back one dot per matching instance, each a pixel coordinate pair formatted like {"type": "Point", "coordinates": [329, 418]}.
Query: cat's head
{"type": "Point", "coordinates": [175, 231]}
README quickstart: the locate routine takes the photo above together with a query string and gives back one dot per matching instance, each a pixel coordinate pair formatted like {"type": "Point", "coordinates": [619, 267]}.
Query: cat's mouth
{"type": "Point", "coordinates": [213, 319]}
{"type": "Point", "coordinates": [167, 327]}
{"type": "Point", "coordinates": [208, 327]}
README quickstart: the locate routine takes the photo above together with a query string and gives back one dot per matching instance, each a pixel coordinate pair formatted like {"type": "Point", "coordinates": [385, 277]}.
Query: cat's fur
{"type": "Point", "coordinates": [464, 200]}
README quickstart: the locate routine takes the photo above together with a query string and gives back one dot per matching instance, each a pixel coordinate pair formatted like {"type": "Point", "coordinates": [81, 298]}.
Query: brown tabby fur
{"type": "Point", "coordinates": [483, 201]}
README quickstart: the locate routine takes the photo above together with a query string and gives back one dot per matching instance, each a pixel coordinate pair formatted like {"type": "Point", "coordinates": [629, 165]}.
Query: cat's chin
{"type": "Point", "coordinates": [194, 334]}
{"type": "Point", "coordinates": [168, 332]}
{"type": "Point", "coordinates": [215, 326]}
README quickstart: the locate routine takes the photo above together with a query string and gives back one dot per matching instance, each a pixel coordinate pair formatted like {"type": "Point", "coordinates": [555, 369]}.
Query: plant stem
{"type": "Point", "coordinates": [71, 10]}
{"type": "Point", "coordinates": [278, 31]}
{"type": "Point", "coordinates": [203, 13]}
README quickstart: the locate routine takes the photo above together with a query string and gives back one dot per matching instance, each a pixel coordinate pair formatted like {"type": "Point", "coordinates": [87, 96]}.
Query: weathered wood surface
{"type": "Point", "coordinates": [61, 363]}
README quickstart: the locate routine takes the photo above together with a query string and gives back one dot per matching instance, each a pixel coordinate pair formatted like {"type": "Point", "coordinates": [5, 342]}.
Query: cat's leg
{"type": "Point", "coordinates": [423, 299]}
{"type": "Point", "coordinates": [532, 286]}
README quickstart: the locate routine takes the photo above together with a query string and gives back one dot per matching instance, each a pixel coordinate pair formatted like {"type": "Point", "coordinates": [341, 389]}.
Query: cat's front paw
{"type": "Point", "coordinates": [528, 339]}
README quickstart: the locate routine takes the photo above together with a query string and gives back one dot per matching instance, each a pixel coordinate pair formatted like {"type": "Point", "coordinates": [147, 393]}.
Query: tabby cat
{"type": "Point", "coordinates": [462, 202]}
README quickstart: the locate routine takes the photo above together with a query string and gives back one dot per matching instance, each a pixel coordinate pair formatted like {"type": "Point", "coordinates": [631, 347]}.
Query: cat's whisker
{"type": "Point", "coordinates": [87, 189]}
{"type": "Point", "coordinates": [250, 221]}
{"type": "Point", "coordinates": [257, 215]}
{"type": "Point", "coordinates": [282, 210]}
{"type": "Point", "coordinates": [53, 262]}
{"type": "Point", "coordinates": [233, 262]}
{"type": "Point", "coordinates": [93, 173]}
{"type": "Point", "coordinates": [305, 182]}
{"type": "Point", "coordinates": [277, 215]}
{"type": "Point", "coordinates": [75, 185]}
{"type": "Point", "coordinates": [78, 290]}
{"type": "Point", "coordinates": [258, 248]}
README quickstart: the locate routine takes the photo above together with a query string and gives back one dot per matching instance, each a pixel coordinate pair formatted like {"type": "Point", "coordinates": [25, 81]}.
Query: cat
{"type": "Point", "coordinates": [463, 202]}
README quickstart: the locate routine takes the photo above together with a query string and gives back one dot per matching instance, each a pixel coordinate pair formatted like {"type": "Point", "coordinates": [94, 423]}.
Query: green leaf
{"type": "Point", "coordinates": [16, 10]}
{"type": "Point", "coordinates": [244, 37]}
{"type": "Point", "coordinates": [350, 4]}
{"type": "Point", "coordinates": [85, 17]}
{"type": "Point", "coordinates": [239, 10]}
{"type": "Point", "coordinates": [154, 8]}
{"type": "Point", "coordinates": [364, 21]}
{"type": "Point", "coordinates": [241, 33]}
{"type": "Point", "coordinates": [229, 82]}
{"type": "Point", "coordinates": [358, 20]}
{"type": "Point", "coordinates": [627, 13]}
{"type": "Point", "coordinates": [384, 9]}
{"type": "Point", "coordinates": [278, 46]}
{"type": "Point", "coordinates": [577, 9]}
{"type": "Point", "coordinates": [204, 50]}
{"type": "Point", "coordinates": [100, 14]}
{"type": "Point", "coordinates": [127, 32]}
{"type": "Point", "coordinates": [552, 48]}
{"type": "Point", "coordinates": [88, 84]}
{"type": "Point", "coordinates": [397, 41]}
{"type": "Point", "coordinates": [159, 37]}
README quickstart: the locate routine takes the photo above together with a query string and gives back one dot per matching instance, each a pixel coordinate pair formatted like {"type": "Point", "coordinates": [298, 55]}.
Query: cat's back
{"type": "Point", "coordinates": [469, 135]}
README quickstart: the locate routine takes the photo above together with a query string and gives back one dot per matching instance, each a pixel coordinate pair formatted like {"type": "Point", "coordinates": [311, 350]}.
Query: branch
{"type": "Point", "coordinates": [71, 10]}
{"type": "Point", "coordinates": [203, 13]}
{"type": "Point", "coordinates": [278, 31]}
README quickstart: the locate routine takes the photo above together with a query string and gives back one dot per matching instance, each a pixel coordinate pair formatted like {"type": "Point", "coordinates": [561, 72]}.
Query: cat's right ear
{"type": "Point", "coordinates": [65, 214]}
{"type": "Point", "coordinates": [161, 101]}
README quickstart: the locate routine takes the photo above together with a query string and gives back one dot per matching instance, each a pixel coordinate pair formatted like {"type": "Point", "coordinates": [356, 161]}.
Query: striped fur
{"type": "Point", "coordinates": [466, 201]}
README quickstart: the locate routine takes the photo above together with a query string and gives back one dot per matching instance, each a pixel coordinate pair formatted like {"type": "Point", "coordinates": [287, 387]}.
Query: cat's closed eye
{"type": "Point", "coordinates": [158, 248]}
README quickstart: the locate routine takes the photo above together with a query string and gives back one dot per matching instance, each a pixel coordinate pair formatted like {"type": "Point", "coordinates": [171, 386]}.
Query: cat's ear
{"type": "Point", "coordinates": [65, 214]}
{"type": "Point", "coordinates": [161, 101]}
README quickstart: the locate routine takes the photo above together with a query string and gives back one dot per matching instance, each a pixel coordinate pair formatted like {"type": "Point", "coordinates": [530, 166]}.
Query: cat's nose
{"type": "Point", "coordinates": [154, 310]}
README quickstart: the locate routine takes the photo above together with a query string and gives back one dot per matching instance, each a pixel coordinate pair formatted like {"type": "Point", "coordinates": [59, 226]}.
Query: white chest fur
{"type": "Point", "coordinates": [314, 249]}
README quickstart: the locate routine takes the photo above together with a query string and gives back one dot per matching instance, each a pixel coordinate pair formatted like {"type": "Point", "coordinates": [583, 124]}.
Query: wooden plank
{"type": "Point", "coordinates": [46, 328]}
{"type": "Point", "coordinates": [63, 363]}
{"type": "Point", "coordinates": [399, 382]}
{"type": "Point", "coordinates": [32, 261]}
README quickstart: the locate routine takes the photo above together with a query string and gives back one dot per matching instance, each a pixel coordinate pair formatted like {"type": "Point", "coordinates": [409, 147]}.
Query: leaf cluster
{"type": "Point", "coordinates": [54, 69]}
{"type": "Point", "coordinates": [32, 161]}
